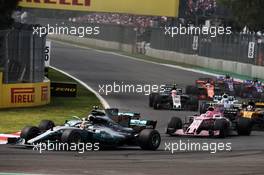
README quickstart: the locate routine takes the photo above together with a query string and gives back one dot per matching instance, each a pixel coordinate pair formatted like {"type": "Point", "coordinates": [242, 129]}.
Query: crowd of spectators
{"type": "Point", "coordinates": [192, 8]}
{"type": "Point", "coordinates": [121, 19]}
{"type": "Point", "coordinates": [200, 7]}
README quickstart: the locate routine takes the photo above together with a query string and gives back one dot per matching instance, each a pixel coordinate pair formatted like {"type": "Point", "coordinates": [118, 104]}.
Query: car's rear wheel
{"type": "Point", "coordinates": [149, 139]}
{"type": "Point", "coordinates": [151, 99]}
{"type": "Point", "coordinates": [71, 136]}
{"type": "Point", "coordinates": [29, 132]}
{"type": "Point", "coordinates": [45, 125]}
{"type": "Point", "coordinates": [222, 127]}
{"type": "Point", "coordinates": [203, 107]}
{"type": "Point", "coordinates": [244, 126]}
{"type": "Point", "coordinates": [157, 102]}
{"type": "Point", "coordinates": [174, 124]}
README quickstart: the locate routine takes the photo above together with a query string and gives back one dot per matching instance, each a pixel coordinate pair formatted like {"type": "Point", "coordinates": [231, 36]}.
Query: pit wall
{"type": "Point", "coordinates": [194, 60]}
{"type": "Point", "coordinates": [24, 94]}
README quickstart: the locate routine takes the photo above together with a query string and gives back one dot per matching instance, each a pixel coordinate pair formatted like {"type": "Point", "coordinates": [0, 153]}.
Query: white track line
{"type": "Point", "coordinates": [102, 100]}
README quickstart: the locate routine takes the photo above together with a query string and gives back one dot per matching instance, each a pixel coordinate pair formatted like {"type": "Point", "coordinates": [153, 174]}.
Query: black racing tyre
{"type": "Point", "coordinates": [192, 90]}
{"type": "Point", "coordinates": [29, 132]}
{"type": "Point", "coordinates": [244, 126]}
{"type": "Point", "coordinates": [174, 124]}
{"type": "Point", "coordinates": [71, 136]}
{"type": "Point", "coordinates": [45, 125]}
{"type": "Point", "coordinates": [222, 126]}
{"type": "Point", "coordinates": [149, 139]}
{"type": "Point", "coordinates": [157, 102]}
{"type": "Point", "coordinates": [151, 99]}
{"type": "Point", "coordinates": [203, 107]}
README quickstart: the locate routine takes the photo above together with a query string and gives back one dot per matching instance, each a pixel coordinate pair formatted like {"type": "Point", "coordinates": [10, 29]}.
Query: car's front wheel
{"type": "Point", "coordinates": [149, 139]}
{"type": "Point", "coordinates": [174, 124]}
{"type": "Point", "coordinates": [151, 99]}
{"type": "Point", "coordinates": [157, 102]}
{"type": "Point", "coordinates": [244, 126]}
{"type": "Point", "coordinates": [71, 136]}
{"type": "Point", "coordinates": [45, 125]}
{"type": "Point", "coordinates": [222, 127]}
{"type": "Point", "coordinates": [29, 132]}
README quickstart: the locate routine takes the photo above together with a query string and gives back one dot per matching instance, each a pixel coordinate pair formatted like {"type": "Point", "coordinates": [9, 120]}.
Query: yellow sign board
{"type": "Point", "coordinates": [138, 7]}
{"type": "Point", "coordinates": [24, 94]}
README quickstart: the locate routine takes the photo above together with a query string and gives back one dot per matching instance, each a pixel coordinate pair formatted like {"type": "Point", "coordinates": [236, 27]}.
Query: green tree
{"type": "Point", "coordinates": [6, 9]}
{"type": "Point", "coordinates": [248, 13]}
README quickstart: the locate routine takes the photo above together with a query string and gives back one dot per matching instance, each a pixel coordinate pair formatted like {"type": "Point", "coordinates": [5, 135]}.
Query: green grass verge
{"type": "Point", "coordinates": [59, 110]}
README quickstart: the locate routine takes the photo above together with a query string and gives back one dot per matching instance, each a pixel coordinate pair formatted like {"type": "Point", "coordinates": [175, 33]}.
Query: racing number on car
{"type": "Point", "coordinates": [47, 53]}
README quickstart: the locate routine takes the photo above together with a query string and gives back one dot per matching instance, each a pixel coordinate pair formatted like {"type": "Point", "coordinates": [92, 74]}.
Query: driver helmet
{"type": "Point", "coordinates": [174, 92]}
{"type": "Point", "coordinates": [231, 98]}
{"type": "Point", "coordinates": [208, 84]}
{"type": "Point", "coordinates": [251, 103]}
{"type": "Point", "coordinates": [211, 108]}
{"type": "Point", "coordinates": [227, 76]}
{"type": "Point", "coordinates": [90, 118]}
{"type": "Point", "coordinates": [225, 96]}
{"type": "Point", "coordinates": [249, 108]}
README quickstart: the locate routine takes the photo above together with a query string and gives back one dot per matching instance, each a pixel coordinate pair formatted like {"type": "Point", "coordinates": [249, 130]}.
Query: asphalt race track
{"type": "Point", "coordinates": [98, 68]}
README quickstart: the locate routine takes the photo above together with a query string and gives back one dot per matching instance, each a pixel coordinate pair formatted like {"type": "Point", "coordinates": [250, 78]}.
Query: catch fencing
{"type": "Point", "coordinates": [245, 48]}
{"type": "Point", "coordinates": [22, 56]}
{"type": "Point", "coordinates": [108, 32]}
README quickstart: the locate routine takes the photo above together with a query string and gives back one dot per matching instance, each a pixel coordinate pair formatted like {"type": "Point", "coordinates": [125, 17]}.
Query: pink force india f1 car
{"type": "Point", "coordinates": [213, 123]}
